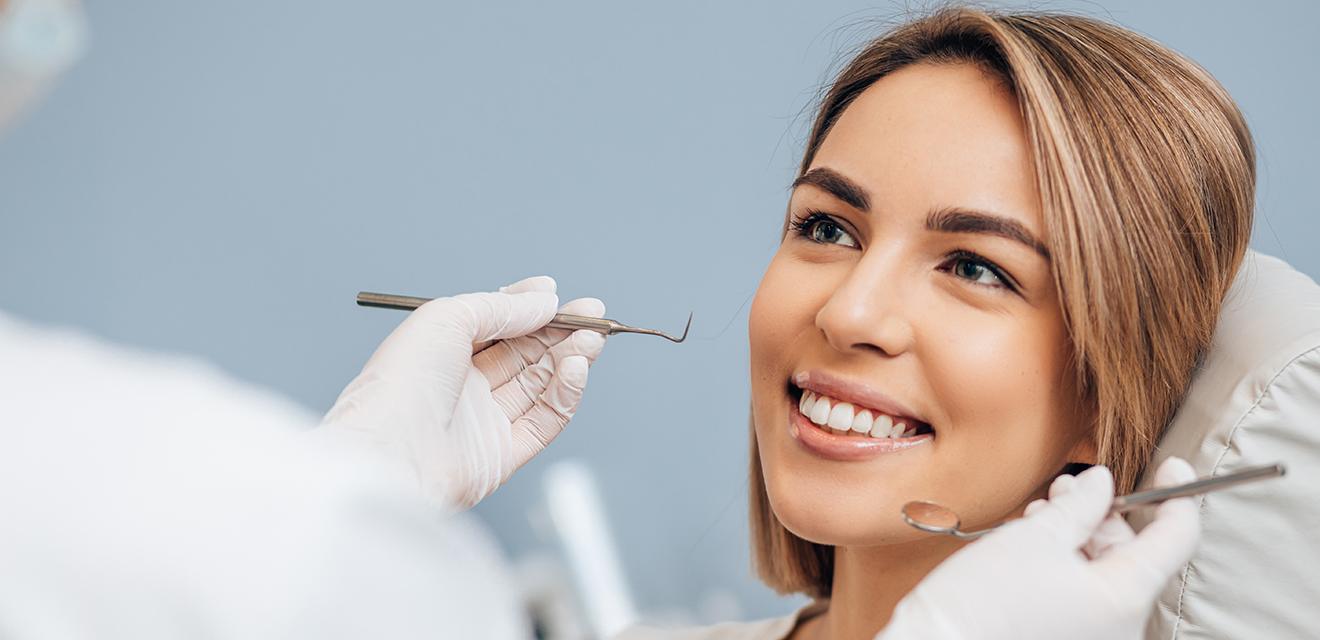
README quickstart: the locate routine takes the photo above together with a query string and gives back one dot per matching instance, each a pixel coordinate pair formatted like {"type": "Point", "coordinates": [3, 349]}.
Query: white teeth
{"type": "Point", "coordinates": [862, 421]}
{"type": "Point", "coordinates": [884, 425]}
{"type": "Point", "coordinates": [820, 412]}
{"type": "Point", "coordinates": [841, 416]}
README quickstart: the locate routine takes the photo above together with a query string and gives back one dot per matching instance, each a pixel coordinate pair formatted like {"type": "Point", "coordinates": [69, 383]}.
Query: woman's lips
{"type": "Point", "coordinates": [844, 448]}
{"type": "Point", "coordinates": [854, 391]}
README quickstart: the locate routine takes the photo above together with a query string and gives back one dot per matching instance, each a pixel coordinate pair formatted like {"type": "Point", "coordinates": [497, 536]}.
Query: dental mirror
{"type": "Point", "coordinates": [935, 518]}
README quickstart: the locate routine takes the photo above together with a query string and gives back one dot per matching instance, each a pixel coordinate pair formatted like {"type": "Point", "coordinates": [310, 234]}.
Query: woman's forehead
{"type": "Point", "coordinates": [935, 135]}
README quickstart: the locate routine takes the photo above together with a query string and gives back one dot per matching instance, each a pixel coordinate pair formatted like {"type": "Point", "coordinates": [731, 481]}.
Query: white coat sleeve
{"type": "Point", "coordinates": [149, 497]}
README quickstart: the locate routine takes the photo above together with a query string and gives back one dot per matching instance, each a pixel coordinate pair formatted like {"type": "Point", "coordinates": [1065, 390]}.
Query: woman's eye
{"type": "Point", "coordinates": [977, 271]}
{"type": "Point", "coordinates": [824, 230]}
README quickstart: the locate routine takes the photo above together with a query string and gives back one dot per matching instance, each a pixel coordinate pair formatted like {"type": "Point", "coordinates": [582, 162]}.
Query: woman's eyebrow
{"type": "Point", "coordinates": [948, 220]}
{"type": "Point", "coordinates": [953, 220]}
{"type": "Point", "coordinates": [837, 185]}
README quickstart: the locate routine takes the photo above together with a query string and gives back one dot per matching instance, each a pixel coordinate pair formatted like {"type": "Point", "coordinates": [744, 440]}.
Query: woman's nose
{"type": "Point", "coordinates": [867, 312]}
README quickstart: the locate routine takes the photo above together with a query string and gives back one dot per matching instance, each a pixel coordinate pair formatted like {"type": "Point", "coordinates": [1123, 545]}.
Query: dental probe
{"type": "Point", "coordinates": [560, 321]}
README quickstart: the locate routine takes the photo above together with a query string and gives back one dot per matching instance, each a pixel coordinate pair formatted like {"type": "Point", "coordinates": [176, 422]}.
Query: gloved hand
{"type": "Point", "coordinates": [470, 387]}
{"type": "Point", "coordinates": [1064, 570]}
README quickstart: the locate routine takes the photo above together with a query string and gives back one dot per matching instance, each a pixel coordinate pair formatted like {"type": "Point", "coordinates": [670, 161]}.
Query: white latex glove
{"type": "Point", "coordinates": [470, 387]}
{"type": "Point", "coordinates": [1065, 570]}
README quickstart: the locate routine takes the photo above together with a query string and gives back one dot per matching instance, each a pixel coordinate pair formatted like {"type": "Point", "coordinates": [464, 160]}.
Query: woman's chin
{"type": "Point", "coordinates": [844, 522]}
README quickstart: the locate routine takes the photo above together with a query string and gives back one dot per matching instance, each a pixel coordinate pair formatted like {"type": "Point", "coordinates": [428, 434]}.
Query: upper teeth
{"type": "Point", "coordinates": [842, 417]}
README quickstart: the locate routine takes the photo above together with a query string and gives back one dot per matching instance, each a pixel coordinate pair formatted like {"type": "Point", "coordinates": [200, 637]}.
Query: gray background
{"type": "Point", "coordinates": [221, 178]}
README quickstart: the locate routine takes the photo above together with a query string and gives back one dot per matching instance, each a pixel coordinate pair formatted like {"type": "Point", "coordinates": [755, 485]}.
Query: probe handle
{"type": "Point", "coordinates": [408, 303]}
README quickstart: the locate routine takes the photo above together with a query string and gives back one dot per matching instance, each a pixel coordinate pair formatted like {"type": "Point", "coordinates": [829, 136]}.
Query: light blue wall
{"type": "Point", "coordinates": [221, 178]}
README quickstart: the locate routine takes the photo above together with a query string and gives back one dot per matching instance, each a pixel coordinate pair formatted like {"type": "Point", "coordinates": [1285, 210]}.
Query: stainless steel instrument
{"type": "Point", "coordinates": [560, 321]}
{"type": "Point", "coordinates": [936, 518]}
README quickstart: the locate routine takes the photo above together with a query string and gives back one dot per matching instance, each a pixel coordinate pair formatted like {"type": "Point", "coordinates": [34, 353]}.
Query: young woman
{"type": "Point", "coordinates": [1004, 253]}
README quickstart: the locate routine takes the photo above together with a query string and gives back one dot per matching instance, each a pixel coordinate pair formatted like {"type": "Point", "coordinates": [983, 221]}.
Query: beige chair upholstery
{"type": "Point", "coordinates": [1254, 400]}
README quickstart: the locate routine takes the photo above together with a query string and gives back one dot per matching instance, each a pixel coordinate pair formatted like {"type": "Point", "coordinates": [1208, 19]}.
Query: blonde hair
{"type": "Point", "coordinates": [1146, 173]}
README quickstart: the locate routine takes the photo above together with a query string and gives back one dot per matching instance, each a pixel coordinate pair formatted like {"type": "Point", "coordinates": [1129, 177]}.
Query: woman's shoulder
{"type": "Point", "coordinates": [768, 629]}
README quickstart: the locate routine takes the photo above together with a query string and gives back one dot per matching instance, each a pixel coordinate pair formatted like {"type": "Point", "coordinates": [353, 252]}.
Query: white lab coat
{"type": "Point", "coordinates": [151, 497]}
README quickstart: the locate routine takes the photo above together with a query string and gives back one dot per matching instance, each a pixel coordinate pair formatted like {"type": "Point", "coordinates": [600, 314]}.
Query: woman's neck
{"type": "Point", "coordinates": [869, 582]}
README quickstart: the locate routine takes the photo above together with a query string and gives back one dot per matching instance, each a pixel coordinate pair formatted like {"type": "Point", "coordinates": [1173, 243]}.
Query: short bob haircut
{"type": "Point", "coordinates": [1146, 173]}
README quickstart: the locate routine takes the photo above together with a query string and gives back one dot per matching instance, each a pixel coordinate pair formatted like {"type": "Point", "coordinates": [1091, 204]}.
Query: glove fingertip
{"type": "Point", "coordinates": [1062, 485]}
{"type": "Point", "coordinates": [529, 311]}
{"type": "Point", "coordinates": [534, 283]}
{"type": "Point", "coordinates": [1034, 506]}
{"type": "Point", "coordinates": [1070, 517]}
{"type": "Point", "coordinates": [1096, 479]}
{"type": "Point", "coordinates": [590, 307]}
{"type": "Point", "coordinates": [546, 302]}
{"type": "Point", "coordinates": [560, 399]}
{"type": "Point", "coordinates": [1182, 513]}
{"type": "Point", "coordinates": [1152, 556]}
{"type": "Point", "coordinates": [1183, 516]}
{"type": "Point", "coordinates": [573, 370]}
{"type": "Point", "coordinates": [588, 343]}
{"type": "Point", "coordinates": [1174, 470]}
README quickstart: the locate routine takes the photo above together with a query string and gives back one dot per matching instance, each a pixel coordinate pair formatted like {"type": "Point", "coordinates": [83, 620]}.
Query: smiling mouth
{"type": "Point", "coordinates": [846, 419]}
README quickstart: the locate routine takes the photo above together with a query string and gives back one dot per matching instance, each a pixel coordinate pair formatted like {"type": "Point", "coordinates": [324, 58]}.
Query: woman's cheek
{"type": "Point", "coordinates": [986, 373]}
{"type": "Point", "coordinates": [972, 363]}
{"type": "Point", "coordinates": [776, 312]}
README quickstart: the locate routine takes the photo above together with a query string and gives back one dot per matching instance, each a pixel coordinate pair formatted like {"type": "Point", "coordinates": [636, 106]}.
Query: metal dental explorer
{"type": "Point", "coordinates": [560, 321]}
{"type": "Point", "coordinates": [935, 518]}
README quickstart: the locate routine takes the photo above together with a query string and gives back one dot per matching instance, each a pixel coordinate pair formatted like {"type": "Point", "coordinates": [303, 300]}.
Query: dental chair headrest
{"type": "Point", "coordinates": [1254, 400]}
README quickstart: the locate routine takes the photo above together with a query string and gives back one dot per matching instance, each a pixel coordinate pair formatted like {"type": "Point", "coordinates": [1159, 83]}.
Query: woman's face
{"type": "Point", "coordinates": [915, 286]}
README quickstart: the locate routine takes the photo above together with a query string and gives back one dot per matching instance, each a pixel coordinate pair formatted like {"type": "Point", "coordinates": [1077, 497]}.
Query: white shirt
{"type": "Point", "coordinates": [144, 497]}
